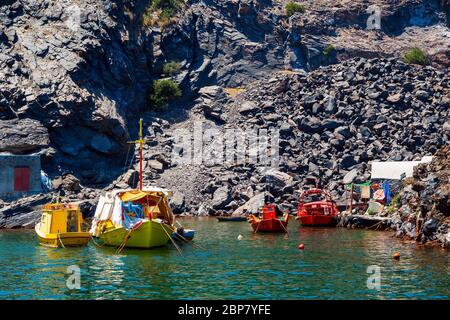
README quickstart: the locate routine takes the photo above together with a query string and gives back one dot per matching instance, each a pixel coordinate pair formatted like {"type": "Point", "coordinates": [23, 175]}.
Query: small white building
{"type": "Point", "coordinates": [395, 170]}
{"type": "Point", "coordinates": [20, 175]}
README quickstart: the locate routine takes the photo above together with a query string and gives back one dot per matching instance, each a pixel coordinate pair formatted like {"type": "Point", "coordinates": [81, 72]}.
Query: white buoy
{"type": "Point", "coordinates": [240, 237]}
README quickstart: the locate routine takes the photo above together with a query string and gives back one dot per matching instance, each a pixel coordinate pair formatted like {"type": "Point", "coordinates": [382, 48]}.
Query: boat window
{"type": "Point", "coordinates": [72, 221]}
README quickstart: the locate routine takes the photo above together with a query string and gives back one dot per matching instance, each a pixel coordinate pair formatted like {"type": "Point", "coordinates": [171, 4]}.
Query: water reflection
{"type": "Point", "coordinates": [262, 266]}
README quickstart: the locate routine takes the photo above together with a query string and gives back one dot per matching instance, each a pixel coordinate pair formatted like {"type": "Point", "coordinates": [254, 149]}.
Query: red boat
{"type": "Point", "coordinates": [321, 212]}
{"type": "Point", "coordinates": [269, 221]}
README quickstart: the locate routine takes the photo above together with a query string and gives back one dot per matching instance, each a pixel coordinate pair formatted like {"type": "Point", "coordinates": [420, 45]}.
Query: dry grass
{"type": "Point", "coordinates": [233, 92]}
{"type": "Point", "coordinates": [286, 71]}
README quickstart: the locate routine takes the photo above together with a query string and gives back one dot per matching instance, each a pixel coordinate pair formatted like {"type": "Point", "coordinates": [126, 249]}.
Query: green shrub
{"type": "Point", "coordinates": [328, 50]}
{"type": "Point", "coordinates": [162, 92]}
{"type": "Point", "coordinates": [293, 7]}
{"type": "Point", "coordinates": [416, 56]}
{"type": "Point", "coordinates": [166, 8]}
{"type": "Point", "coordinates": [171, 68]}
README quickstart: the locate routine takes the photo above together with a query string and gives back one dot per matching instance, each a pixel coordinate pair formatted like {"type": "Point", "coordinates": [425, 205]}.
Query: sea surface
{"type": "Point", "coordinates": [335, 264]}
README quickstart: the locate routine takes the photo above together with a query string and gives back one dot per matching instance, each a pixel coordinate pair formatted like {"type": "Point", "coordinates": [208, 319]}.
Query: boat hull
{"type": "Point", "coordinates": [187, 235]}
{"type": "Point", "coordinates": [231, 219]}
{"type": "Point", "coordinates": [319, 213]}
{"type": "Point", "coordinates": [317, 220]}
{"type": "Point", "coordinates": [269, 225]}
{"type": "Point", "coordinates": [69, 239]}
{"type": "Point", "coordinates": [150, 234]}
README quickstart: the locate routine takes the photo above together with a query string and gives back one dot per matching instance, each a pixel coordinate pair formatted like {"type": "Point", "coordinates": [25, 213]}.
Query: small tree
{"type": "Point", "coordinates": [147, 19]}
{"type": "Point", "coordinates": [163, 91]}
{"type": "Point", "coordinates": [293, 7]}
{"type": "Point", "coordinates": [328, 50]}
{"type": "Point", "coordinates": [171, 68]}
{"type": "Point", "coordinates": [416, 56]}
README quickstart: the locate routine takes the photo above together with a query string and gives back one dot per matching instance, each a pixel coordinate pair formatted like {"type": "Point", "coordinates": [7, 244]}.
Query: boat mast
{"type": "Point", "coordinates": [141, 142]}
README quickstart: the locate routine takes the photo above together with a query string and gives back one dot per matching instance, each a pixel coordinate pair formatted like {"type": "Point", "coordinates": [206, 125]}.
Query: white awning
{"type": "Point", "coordinates": [394, 170]}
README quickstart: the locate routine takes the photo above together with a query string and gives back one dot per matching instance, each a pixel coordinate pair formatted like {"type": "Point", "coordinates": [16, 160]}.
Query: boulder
{"type": "Point", "coordinates": [155, 165]}
{"type": "Point", "coordinates": [71, 183]}
{"type": "Point", "coordinates": [310, 125]}
{"type": "Point", "coordinates": [177, 202]}
{"type": "Point", "coordinates": [348, 161]}
{"type": "Point", "coordinates": [350, 176]}
{"type": "Point", "coordinates": [252, 205]}
{"type": "Point", "coordinates": [277, 179]}
{"type": "Point", "coordinates": [248, 107]}
{"type": "Point", "coordinates": [221, 197]}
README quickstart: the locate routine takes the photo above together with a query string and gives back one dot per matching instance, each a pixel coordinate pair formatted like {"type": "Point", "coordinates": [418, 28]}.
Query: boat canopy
{"type": "Point", "coordinates": [139, 195]}
{"type": "Point", "coordinates": [110, 204]}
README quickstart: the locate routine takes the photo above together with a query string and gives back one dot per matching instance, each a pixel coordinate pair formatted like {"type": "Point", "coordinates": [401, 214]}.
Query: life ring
{"type": "Point", "coordinates": [379, 195]}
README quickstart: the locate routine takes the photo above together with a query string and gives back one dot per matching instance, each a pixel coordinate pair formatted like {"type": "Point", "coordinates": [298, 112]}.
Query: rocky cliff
{"type": "Point", "coordinates": [75, 77]}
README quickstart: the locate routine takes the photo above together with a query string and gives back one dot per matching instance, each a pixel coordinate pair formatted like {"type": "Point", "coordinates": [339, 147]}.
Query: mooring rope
{"type": "Point", "coordinates": [257, 227]}
{"type": "Point", "coordinates": [283, 226]}
{"type": "Point", "coordinates": [124, 242]}
{"type": "Point", "coordinates": [173, 241]}
{"type": "Point", "coordinates": [186, 240]}
{"type": "Point", "coordinates": [95, 242]}
{"type": "Point", "coordinates": [59, 238]}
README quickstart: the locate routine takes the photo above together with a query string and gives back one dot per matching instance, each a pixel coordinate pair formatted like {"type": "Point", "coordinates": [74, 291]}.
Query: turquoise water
{"type": "Point", "coordinates": [263, 266]}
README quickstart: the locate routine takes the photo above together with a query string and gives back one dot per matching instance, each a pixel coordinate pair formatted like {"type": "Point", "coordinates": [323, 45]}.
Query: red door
{"type": "Point", "coordinates": [22, 179]}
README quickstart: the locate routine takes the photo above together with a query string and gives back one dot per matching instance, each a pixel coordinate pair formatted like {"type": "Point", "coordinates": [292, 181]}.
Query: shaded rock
{"type": "Point", "coordinates": [252, 205]}
{"type": "Point", "coordinates": [248, 107]}
{"type": "Point", "coordinates": [277, 179]}
{"type": "Point", "coordinates": [348, 161]}
{"type": "Point", "coordinates": [177, 202]}
{"type": "Point", "coordinates": [156, 165]}
{"type": "Point", "coordinates": [221, 197]}
{"type": "Point", "coordinates": [71, 183]}
{"type": "Point", "coordinates": [103, 144]}
{"type": "Point", "coordinates": [310, 125]}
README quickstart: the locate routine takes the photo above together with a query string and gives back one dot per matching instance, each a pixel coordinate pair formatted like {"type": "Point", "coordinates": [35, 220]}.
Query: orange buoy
{"type": "Point", "coordinates": [301, 246]}
{"type": "Point", "coordinates": [396, 255]}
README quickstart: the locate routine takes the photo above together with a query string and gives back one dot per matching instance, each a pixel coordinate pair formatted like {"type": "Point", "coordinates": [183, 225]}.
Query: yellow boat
{"type": "Point", "coordinates": [130, 218]}
{"type": "Point", "coordinates": [134, 218]}
{"type": "Point", "coordinates": [61, 226]}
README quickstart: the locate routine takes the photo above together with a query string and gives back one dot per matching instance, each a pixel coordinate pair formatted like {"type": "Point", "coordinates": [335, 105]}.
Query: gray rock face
{"type": "Point", "coordinates": [76, 96]}
{"type": "Point", "coordinates": [24, 213]}
{"type": "Point", "coordinates": [22, 136]}
{"type": "Point", "coordinates": [69, 89]}
{"type": "Point", "coordinates": [319, 144]}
